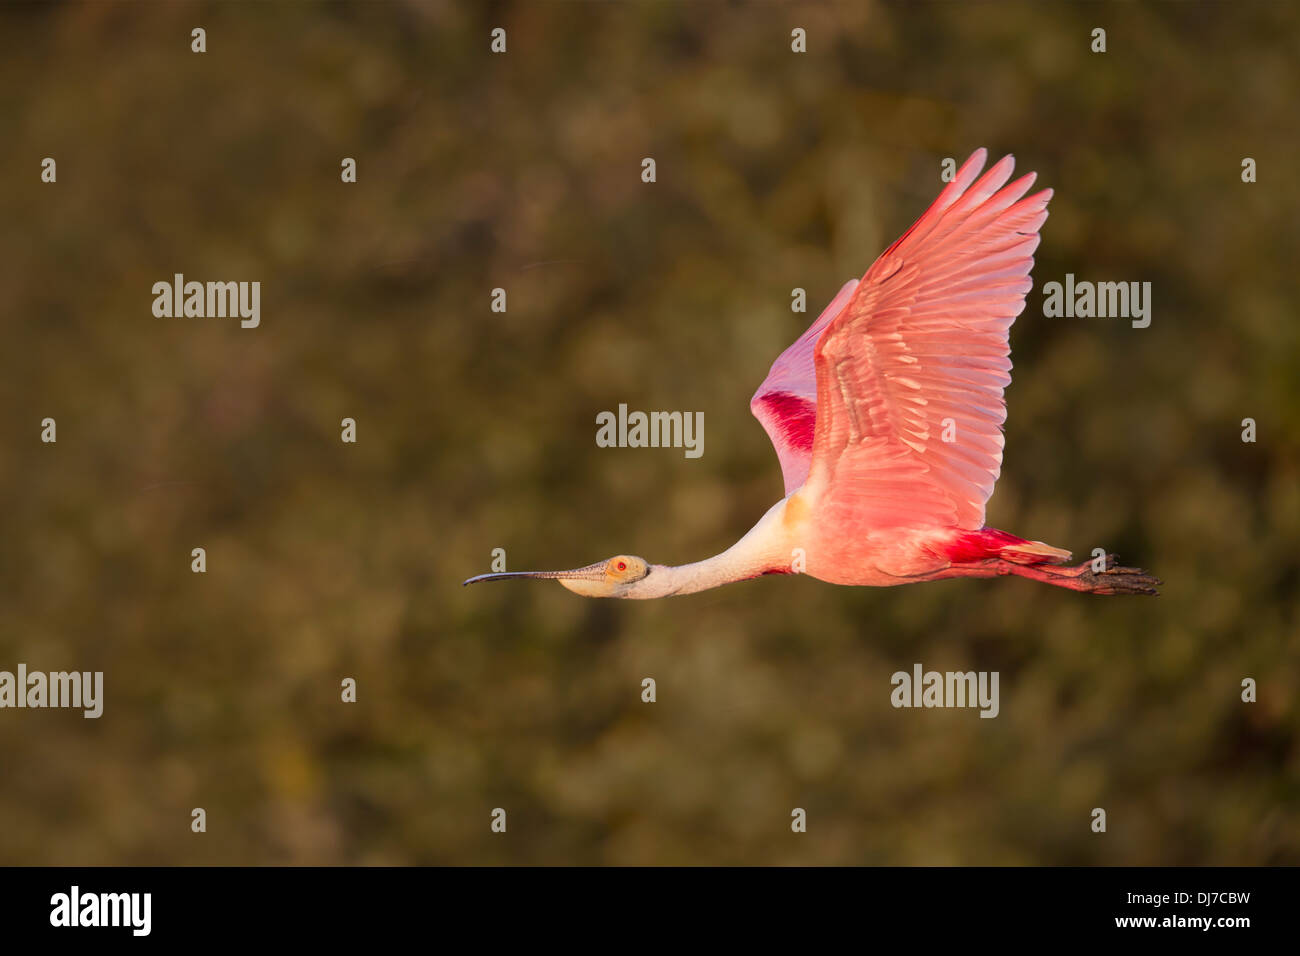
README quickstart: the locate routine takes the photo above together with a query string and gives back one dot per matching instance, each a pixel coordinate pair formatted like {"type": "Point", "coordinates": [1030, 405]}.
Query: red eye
{"type": "Point", "coordinates": [622, 565]}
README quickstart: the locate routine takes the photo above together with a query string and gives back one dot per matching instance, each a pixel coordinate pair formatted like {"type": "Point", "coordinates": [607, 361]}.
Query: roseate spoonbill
{"type": "Point", "coordinates": [887, 417]}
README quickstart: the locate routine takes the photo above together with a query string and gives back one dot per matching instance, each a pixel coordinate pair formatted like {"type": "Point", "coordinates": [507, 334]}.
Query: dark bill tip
{"type": "Point", "coordinates": [508, 575]}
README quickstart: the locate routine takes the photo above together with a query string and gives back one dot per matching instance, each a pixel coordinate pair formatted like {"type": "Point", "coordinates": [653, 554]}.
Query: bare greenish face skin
{"type": "Point", "coordinates": [616, 577]}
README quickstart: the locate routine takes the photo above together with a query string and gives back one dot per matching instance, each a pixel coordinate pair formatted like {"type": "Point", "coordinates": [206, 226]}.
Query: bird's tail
{"type": "Point", "coordinates": [992, 543]}
{"type": "Point", "coordinates": [1034, 552]}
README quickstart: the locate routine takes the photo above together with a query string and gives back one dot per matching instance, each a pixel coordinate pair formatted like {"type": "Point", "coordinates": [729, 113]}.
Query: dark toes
{"type": "Point", "coordinates": [1117, 580]}
{"type": "Point", "coordinates": [1129, 581]}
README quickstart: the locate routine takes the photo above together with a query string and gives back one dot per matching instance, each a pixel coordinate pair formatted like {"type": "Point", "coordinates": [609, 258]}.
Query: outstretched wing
{"type": "Point", "coordinates": [786, 403]}
{"type": "Point", "coordinates": [910, 371]}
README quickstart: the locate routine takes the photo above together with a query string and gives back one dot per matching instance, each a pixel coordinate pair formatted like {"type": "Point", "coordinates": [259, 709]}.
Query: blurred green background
{"type": "Point", "coordinates": [476, 431]}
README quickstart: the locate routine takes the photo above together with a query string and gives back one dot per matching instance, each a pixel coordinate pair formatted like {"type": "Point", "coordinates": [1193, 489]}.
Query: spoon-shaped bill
{"type": "Point", "coordinates": [591, 572]}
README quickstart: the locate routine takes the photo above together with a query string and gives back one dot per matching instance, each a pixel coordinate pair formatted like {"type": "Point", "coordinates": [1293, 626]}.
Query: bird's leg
{"type": "Point", "coordinates": [1082, 577]}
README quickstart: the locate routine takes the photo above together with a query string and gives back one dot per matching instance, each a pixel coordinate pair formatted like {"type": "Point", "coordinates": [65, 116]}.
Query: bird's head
{"type": "Point", "coordinates": [619, 577]}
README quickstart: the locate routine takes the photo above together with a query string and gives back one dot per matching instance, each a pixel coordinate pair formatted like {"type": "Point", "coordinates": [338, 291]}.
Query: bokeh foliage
{"type": "Point", "coordinates": [476, 431]}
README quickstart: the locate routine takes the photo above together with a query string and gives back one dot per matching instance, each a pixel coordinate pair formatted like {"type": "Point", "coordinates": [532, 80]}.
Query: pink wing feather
{"type": "Point", "coordinates": [857, 408]}
{"type": "Point", "coordinates": [922, 347]}
{"type": "Point", "coordinates": [786, 403]}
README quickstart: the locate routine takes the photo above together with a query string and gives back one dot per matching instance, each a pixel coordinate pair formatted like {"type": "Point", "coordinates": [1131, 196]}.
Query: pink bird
{"type": "Point", "coordinates": [887, 417]}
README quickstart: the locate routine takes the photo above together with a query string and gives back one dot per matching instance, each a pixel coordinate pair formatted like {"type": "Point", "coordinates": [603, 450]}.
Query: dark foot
{"type": "Point", "coordinates": [1117, 580]}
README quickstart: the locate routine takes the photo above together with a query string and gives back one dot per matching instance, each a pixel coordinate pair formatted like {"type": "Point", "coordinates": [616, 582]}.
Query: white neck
{"type": "Point", "coordinates": [761, 550]}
